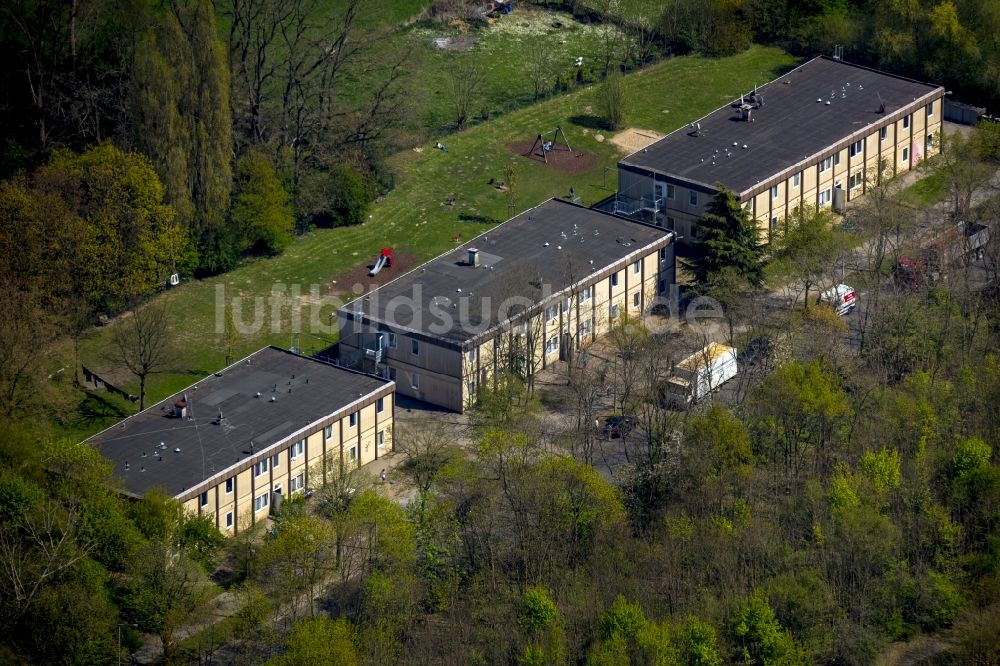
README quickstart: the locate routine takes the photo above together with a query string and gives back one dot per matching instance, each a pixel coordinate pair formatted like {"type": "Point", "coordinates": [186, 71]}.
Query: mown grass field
{"type": "Point", "coordinates": [416, 219]}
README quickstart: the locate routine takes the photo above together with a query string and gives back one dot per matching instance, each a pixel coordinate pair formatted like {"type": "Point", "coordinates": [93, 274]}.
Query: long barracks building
{"type": "Point", "coordinates": [815, 136]}
{"type": "Point", "coordinates": [266, 427]}
{"type": "Point", "coordinates": [519, 297]}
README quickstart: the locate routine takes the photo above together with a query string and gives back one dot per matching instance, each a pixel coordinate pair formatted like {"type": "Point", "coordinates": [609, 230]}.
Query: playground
{"type": "Point", "coordinates": [361, 274]}
{"type": "Point", "coordinates": [552, 148]}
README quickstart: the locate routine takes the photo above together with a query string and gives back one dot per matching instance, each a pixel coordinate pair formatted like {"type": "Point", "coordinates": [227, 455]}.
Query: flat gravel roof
{"type": "Point", "coordinates": [788, 128]}
{"type": "Point", "coordinates": [540, 252]}
{"type": "Point", "coordinates": [305, 390]}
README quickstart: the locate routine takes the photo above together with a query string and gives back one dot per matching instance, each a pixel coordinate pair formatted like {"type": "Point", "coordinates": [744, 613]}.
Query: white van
{"type": "Point", "coordinates": [841, 298]}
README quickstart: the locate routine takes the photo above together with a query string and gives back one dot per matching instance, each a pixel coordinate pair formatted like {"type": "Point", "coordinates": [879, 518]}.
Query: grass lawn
{"type": "Point", "coordinates": [415, 219]}
{"type": "Point", "coordinates": [927, 191]}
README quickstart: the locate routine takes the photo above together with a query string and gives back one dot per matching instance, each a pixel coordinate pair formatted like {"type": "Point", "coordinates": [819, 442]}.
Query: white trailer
{"type": "Point", "coordinates": [841, 298]}
{"type": "Point", "coordinates": [700, 374]}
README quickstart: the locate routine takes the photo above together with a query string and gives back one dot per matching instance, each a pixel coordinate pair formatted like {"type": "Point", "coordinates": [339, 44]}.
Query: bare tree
{"type": "Point", "coordinates": [142, 343]}
{"type": "Point", "coordinates": [466, 83]}
{"type": "Point", "coordinates": [426, 448]}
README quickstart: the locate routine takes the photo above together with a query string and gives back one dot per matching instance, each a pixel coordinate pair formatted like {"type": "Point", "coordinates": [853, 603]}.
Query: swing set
{"type": "Point", "coordinates": [546, 142]}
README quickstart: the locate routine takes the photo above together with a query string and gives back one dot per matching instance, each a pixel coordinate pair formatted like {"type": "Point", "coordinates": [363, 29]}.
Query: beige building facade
{"type": "Point", "coordinates": [576, 271]}
{"type": "Point", "coordinates": [269, 427]}
{"type": "Point", "coordinates": [818, 136]}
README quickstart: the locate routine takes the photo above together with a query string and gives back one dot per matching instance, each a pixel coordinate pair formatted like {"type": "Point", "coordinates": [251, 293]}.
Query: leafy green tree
{"type": "Point", "coordinates": [613, 97]}
{"type": "Point", "coordinates": [319, 640]}
{"type": "Point", "coordinates": [298, 558]}
{"type": "Point", "coordinates": [181, 118]}
{"type": "Point", "coordinates": [539, 618]}
{"type": "Point", "coordinates": [728, 242]}
{"type": "Point", "coordinates": [261, 210]}
{"type": "Point", "coordinates": [698, 643]}
{"type": "Point", "coordinates": [807, 253]}
{"type": "Point", "coordinates": [760, 637]}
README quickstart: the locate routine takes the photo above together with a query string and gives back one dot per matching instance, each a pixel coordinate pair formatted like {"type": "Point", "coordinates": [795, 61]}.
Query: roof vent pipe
{"type": "Point", "coordinates": [473, 256]}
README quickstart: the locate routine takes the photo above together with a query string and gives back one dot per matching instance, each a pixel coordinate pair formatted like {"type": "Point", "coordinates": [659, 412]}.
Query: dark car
{"type": "Point", "coordinates": [619, 426]}
{"type": "Point", "coordinates": [758, 350]}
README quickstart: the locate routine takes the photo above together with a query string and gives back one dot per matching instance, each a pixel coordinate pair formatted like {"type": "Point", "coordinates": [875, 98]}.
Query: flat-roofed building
{"type": "Point", "coordinates": [230, 444]}
{"type": "Point", "coordinates": [817, 136]}
{"type": "Point", "coordinates": [519, 297]}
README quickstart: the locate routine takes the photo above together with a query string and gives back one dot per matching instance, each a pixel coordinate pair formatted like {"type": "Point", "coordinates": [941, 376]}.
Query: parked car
{"type": "Point", "coordinates": [758, 350]}
{"type": "Point", "coordinates": [619, 426]}
{"type": "Point", "coordinates": [841, 298]}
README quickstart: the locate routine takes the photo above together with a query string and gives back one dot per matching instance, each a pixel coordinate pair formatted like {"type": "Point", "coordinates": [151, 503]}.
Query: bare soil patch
{"type": "Point", "coordinates": [559, 158]}
{"type": "Point", "coordinates": [344, 282]}
{"type": "Point", "coordinates": [633, 139]}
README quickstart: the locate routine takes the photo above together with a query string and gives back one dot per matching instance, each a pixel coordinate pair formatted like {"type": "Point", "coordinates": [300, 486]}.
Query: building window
{"type": "Point", "coordinates": [906, 155]}
{"type": "Point", "coordinates": [883, 134]}
{"type": "Point", "coordinates": [392, 374]}
{"type": "Point", "coordinates": [277, 488]}
{"type": "Point", "coordinates": [825, 164]}
{"type": "Point", "coordinates": [414, 347]}
{"type": "Point", "coordinates": [275, 460]}
{"type": "Point", "coordinates": [836, 158]}
{"type": "Point", "coordinates": [584, 328]}
{"type": "Point", "coordinates": [614, 311]}
{"type": "Point", "coordinates": [670, 223]}
{"type": "Point", "coordinates": [797, 179]}
{"type": "Point", "coordinates": [930, 109]}
{"type": "Point", "coordinates": [774, 191]}
{"type": "Point", "coordinates": [204, 498]}
{"type": "Point", "coordinates": [670, 191]}
{"type": "Point", "coordinates": [637, 267]}
{"type": "Point", "coordinates": [352, 420]}
{"type": "Point", "coordinates": [614, 279]}
{"type": "Point", "coordinates": [551, 312]}
{"type": "Point", "coordinates": [352, 455]}
{"type": "Point", "coordinates": [856, 179]}
{"type": "Point", "coordinates": [552, 345]}
{"type": "Point", "coordinates": [774, 224]}
{"type": "Point", "coordinates": [471, 355]}
{"type": "Point", "coordinates": [470, 386]}
{"type": "Point", "coordinates": [414, 381]}
{"type": "Point", "coordinates": [297, 483]}
{"type": "Point", "coordinates": [663, 253]}
{"type": "Point", "coordinates": [906, 122]}
{"type": "Point", "coordinates": [930, 142]}
{"type": "Point", "coordinates": [565, 304]}
{"type": "Point", "coordinates": [496, 344]}
{"type": "Point", "coordinates": [229, 519]}
{"type": "Point", "coordinates": [637, 299]}
{"type": "Point", "coordinates": [328, 432]}
{"type": "Point", "coordinates": [261, 467]}
{"type": "Point", "coordinates": [521, 329]}
{"type": "Point", "coordinates": [260, 502]}
{"type": "Point", "coordinates": [380, 435]}
{"type": "Point", "coordinates": [693, 198]}
{"type": "Point", "coordinates": [392, 341]}
{"type": "Point", "coordinates": [824, 197]}
{"type": "Point", "coordinates": [298, 448]}
{"type": "Point", "coordinates": [229, 486]}
{"type": "Point", "coordinates": [857, 148]}
{"type": "Point", "coordinates": [584, 295]}
{"type": "Point", "coordinates": [379, 405]}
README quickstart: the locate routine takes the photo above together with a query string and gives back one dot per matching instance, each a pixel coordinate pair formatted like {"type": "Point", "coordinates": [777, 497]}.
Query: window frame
{"type": "Point", "coordinates": [614, 279]}
{"type": "Point", "coordinates": [637, 267]}
{"type": "Point", "coordinates": [671, 191]}
{"type": "Point", "coordinates": [930, 109]}
{"type": "Point", "coordinates": [261, 467]}
{"type": "Point", "coordinates": [692, 198]}
{"type": "Point", "coordinates": [826, 164]}
{"type": "Point", "coordinates": [905, 155]}
{"type": "Point", "coordinates": [203, 499]}
{"type": "Point", "coordinates": [229, 519]}
{"type": "Point", "coordinates": [883, 133]}
{"type": "Point", "coordinates": [352, 419]}
{"type": "Point", "coordinates": [230, 485]}
{"type": "Point", "coordinates": [261, 502]}
{"type": "Point", "coordinates": [552, 344]}
{"type": "Point", "coordinates": [796, 180]}
{"type": "Point", "coordinates": [583, 296]}
{"type": "Point", "coordinates": [637, 299]}
{"type": "Point", "coordinates": [380, 437]}
{"type": "Point", "coordinates": [297, 483]}
{"type": "Point", "coordinates": [414, 381]}
{"type": "Point", "coordinates": [857, 148]}
{"type": "Point", "coordinates": [614, 311]}
{"type": "Point", "coordinates": [906, 121]}
{"type": "Point", "coordinates": [380, 404]}
{"type": "Point", "coordinates": [825, 196]}
{"type": "Point", "coordinates": [297, 449]}
{"type": "Point", "coordinates": [414, 347]}
{"type": "Point", "coordinates": [774, 192]}
{"type": "Point", "coordinates": [393, 342]}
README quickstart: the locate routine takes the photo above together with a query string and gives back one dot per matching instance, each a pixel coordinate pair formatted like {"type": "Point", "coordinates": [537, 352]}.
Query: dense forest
{"type": "Point", "coordinates": [843, 507]}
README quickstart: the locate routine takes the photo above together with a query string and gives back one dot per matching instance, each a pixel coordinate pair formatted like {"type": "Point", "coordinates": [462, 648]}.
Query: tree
{"type": "Point", "coordinates": [261, 210]}
{"type": "Point", "coordinates": [141, 343]}
{"type": "Point", "coordinates": [427, 448]}
{"type": "Point", "coordinates": [728, 241]}
{"type": "Point", "coordinates": [760, 637]}
{"type": "Point", "coordinates": [319, 640]}
{"type": "Point", "coordinates": [297, 559]}
{"type": "Point", "coordinates": [807, 253]}
{"type": "Point", "coordinates": [466, 83]}
{"type": "Point", "coordinates": [181, 118]}
{"type": "Point", "coordinates": [614, 100]}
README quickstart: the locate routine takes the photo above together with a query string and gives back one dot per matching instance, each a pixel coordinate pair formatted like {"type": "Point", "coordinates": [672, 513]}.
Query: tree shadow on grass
{"type": "Point", "coordinates": [478, 219]}
{"type": "Point", "coordinates": [591, 122]}
{"type": "Point", "coordinates": [98, 410]}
